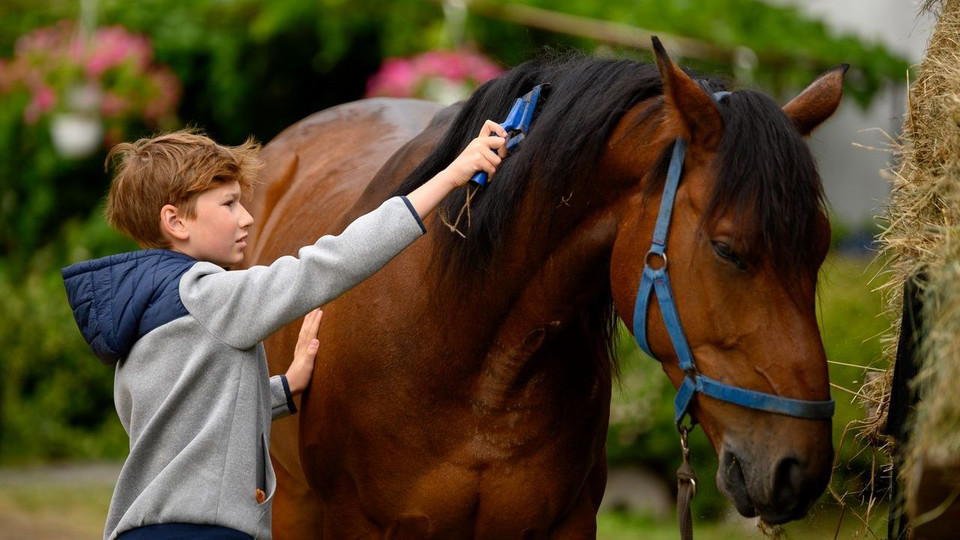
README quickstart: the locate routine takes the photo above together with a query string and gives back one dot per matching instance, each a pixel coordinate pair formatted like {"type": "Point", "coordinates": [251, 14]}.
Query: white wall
{"type": "Point", "coordinates": [855, 190]}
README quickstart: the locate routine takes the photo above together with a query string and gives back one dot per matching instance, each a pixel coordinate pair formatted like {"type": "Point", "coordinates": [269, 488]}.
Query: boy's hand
{"type": "Point", "coordinates": [305, 353]}
{"type": "Point", "coordinates": [482, 154]}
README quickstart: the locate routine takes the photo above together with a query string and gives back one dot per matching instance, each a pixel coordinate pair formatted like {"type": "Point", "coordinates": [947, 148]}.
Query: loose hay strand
{"type": "Point", "coordinates": [455, 226]}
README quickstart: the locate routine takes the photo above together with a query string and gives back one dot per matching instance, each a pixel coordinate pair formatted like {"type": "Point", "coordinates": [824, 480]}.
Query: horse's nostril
{"type": "Point", "coordinates": [788, 483]}
{"type": "Point", "coordinates": [733, 484]}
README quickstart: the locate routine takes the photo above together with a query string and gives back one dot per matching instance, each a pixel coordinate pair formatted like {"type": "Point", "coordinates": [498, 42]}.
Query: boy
{"type": "Point", "coordinates": [191, 385]}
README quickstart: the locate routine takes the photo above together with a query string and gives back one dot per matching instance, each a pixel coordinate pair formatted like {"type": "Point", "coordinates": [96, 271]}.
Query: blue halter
{"type": "Point", "coordinates": [656, 279]}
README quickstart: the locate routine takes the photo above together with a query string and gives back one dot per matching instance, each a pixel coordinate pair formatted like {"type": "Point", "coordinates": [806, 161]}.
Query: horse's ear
{"type": "Point", "coordinates": [818, 101]}
{"type": "Point", "coordinates": [692, 105]}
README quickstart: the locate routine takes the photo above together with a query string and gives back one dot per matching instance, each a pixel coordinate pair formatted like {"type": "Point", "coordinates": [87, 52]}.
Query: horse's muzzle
{"type": "Point", "coordinates": [779, 493]}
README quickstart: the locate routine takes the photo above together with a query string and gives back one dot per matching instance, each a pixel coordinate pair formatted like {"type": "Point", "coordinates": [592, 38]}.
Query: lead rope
{"type": "Point", "coordinates": [686, 489]}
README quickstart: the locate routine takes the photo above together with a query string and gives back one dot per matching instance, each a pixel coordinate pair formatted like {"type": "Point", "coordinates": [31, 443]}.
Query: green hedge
{"type": "Point", "coordinates": [56, 398]}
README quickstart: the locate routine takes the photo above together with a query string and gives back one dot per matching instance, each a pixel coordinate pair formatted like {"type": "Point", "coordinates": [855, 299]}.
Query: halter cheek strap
{"type": "Point", "coordinates": [655, 280]}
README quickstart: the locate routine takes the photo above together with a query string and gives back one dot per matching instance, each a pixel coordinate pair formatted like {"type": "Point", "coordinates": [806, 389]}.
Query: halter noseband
{"type": "Point", "coordinates": [656, 279]}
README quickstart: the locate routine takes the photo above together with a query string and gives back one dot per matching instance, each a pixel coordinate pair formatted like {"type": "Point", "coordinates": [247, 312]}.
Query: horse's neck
{"type": "Point", "coordinates": [541, 300]}
{"type": "Point", "coordinates": [551, 279]}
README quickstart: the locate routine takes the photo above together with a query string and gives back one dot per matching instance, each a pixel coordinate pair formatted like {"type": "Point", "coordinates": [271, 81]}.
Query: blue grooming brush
{"type": "Point", "coordinates": [516, 125]}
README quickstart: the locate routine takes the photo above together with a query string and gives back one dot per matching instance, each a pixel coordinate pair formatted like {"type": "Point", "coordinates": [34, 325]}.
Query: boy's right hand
{"type": "Point", "coordinates": [305, 353]}
{"type": "Point", "coordinates": [482, 154]}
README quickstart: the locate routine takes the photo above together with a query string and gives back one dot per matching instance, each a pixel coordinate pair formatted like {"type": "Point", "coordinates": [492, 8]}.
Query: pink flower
{"type": "Point", "coordinates": [168, 89]}
{"type": "Point", "coordinates": [52, 63]}
{"type": "Point", "coordinates": [44, 40]}
{"type": "Point", "coordinates": [408, 77]}
{"type": "Point", "coordinates": [444, 64]}
{"type": "Point", "coordinates": [41, 102]}
{"type": "Point", "coordinates": [395, 78]}
{"type": "Point", "coordinates": [113, 105]}
{"type": "Point", "coordinates": [113, 46]}
{"type": "Point", "coordinates": [6, 75]}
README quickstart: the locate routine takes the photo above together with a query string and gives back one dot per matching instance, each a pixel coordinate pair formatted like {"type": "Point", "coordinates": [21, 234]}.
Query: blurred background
{"type": "Point", "coordinates": [79, 76]}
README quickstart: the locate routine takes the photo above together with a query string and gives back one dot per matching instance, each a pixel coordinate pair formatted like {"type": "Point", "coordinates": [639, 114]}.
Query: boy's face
{"type": "Point", "coordinates": [218, 233]}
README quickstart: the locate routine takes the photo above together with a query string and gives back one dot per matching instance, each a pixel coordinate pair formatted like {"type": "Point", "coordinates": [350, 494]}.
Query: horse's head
{"type": "Point", "coordinates": [747, 237]}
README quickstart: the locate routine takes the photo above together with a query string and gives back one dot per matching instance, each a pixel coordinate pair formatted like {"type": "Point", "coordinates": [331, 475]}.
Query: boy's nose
{"type": "Point", "coordinates": [245, 218]}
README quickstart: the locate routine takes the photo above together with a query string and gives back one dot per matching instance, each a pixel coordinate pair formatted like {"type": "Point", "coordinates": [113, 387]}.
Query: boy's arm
{"type": "Point", "coordinates": [242, 308]}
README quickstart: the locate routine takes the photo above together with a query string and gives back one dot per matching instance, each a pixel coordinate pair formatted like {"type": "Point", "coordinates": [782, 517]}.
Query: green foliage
{"type": "Point", "coordinates": [254, 68]}
{"type": "Point", "coordinates": [38, 189]}
{"type": "Point", "coordinates": [56, 398]}
{"type": "Point", "coordinates": [851, 321]}
{"type": "Point", "coordinates": [791, 49]}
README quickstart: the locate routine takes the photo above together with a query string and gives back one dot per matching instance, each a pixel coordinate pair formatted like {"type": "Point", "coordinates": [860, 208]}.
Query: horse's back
{"type": "Point", "coordinates": [318, 168]}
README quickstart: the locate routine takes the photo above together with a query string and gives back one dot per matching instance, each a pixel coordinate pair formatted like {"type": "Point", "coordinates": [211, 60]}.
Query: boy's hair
{"type": "Point", "coordinates": [172, 168]}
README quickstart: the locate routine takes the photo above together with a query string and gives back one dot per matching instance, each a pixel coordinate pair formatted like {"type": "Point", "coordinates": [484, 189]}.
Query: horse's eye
{"type": "Point", "coordinates": [726, 253]}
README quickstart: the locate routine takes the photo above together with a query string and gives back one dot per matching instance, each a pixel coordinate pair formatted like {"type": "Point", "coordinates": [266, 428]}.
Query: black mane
{"type": "Point", "coordinates": [765, 173]}
{"type": "Point", "coordinates": [765, 169]}
{"type": "Point", "coordinates": [585, 101]}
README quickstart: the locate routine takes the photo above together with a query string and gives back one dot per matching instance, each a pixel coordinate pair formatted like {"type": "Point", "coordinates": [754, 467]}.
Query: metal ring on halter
{"type": "Point", "coordinates": [646, 259]}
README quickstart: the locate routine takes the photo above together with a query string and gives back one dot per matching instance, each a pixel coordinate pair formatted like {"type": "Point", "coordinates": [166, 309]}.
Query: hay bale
{"type": "Point", "coordinates": [923, 234]}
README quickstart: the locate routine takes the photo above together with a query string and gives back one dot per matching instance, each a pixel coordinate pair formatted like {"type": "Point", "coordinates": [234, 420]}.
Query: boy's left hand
{"type": "Point", "coordinates": [305, 353]}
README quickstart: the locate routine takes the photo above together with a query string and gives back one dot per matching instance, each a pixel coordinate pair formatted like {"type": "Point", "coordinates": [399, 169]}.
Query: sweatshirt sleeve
{"type": "Point", "coordinates": [281, 400]}
{"type": "Point", "coordinates": [243, 307]}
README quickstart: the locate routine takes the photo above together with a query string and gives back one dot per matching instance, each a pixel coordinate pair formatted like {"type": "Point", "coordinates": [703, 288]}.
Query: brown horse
{"type": "Point", "coordinates": [463, 391]}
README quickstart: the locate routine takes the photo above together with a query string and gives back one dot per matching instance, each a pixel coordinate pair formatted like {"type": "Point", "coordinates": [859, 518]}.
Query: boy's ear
{"type": "Point", "coordinates": [171, 224]}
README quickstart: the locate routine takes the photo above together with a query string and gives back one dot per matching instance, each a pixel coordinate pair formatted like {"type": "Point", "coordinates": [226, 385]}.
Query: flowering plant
{"type": "Point", "coordinates": [444, 76]}
{"type": "Point", "coordinates": [110, 74]}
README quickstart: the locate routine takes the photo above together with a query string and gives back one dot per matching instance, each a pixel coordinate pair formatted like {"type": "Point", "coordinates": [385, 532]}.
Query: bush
{"type": "Point", "coordinates": [56, 398]}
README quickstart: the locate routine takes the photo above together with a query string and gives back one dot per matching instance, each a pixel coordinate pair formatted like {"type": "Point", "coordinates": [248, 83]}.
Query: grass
{"type": "Point", "coordinates": [47, 509]}
{"type": "Point", "coordinates": [62, 503]}
{"type": "Point", "coordinates": [823, 523]}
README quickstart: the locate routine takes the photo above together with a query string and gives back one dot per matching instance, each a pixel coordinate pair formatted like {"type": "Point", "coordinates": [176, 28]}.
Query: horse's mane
{"type": "Point", "coordinates": [585, 101]}
{"type": "Point", "coordinates": [765, 170]}
{"type": "Point", "coordinates": [768, 176]}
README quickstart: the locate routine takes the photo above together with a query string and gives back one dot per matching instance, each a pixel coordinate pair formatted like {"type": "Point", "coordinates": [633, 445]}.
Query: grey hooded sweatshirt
{"type": "Point", "coordinates": [192, 387]}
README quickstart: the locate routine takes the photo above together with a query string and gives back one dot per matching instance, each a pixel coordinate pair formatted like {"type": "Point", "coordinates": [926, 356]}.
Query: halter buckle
{"type": "Point", "coordinates": [656, 254]}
